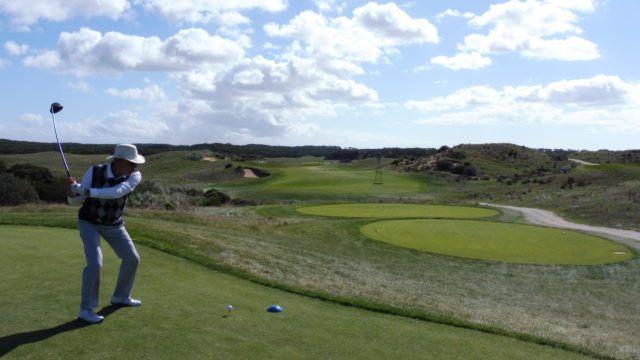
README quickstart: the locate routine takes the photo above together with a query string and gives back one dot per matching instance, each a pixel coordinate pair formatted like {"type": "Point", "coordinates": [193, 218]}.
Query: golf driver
{"type": "Point", "coordinates": [54, 109]}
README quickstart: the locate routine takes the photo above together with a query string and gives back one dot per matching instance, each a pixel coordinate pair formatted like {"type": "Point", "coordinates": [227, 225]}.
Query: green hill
{"type": "Point", "coordinates": [490, 160]}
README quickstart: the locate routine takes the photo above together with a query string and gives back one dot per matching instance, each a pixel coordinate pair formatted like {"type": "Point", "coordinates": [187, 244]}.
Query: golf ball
{"type": "Point", "coordinates": [230, 307]}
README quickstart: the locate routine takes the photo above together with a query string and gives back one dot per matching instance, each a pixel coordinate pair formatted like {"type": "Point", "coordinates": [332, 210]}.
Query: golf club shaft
{"type": "Point", "coordinates": [64, 160]}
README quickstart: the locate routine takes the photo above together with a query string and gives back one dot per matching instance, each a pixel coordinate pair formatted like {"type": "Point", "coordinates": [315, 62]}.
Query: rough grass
{"type": "Point", "coordinates": [398, 211]}
{"type": "Point", "coordinates": [593, 308]}
{"type": "Point", "coordinates": [184, 315]}
{"type": "Point", "coordinates": [513, 243]}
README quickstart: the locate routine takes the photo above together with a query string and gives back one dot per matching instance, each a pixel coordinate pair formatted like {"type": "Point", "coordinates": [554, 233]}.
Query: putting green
{"type": "Point", "coordinates": [513, 243]}
{"type": "Point", "coordinates": [399, 211]}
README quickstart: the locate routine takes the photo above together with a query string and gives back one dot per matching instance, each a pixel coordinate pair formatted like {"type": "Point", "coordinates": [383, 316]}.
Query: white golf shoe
{"type": "Point", "coordinates": [90, 317]}
{"type": "Point", "coordinates": [125, 301]}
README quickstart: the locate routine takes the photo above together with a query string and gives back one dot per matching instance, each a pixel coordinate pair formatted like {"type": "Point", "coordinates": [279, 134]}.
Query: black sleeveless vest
{"type": "Point", "coordinates": [103, 211]}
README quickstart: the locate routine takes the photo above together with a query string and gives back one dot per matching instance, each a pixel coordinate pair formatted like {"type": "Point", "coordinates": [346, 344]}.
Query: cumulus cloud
{"type": "Point", "coordinates": [326, 6]}
{"type": "Point", "coordinates": [35, 120]}
{"type": "Point", "coordinates": [601, 90]}
{"type": "Point", "coordinates": [15, 49]}
{"type": "Point", "coordinates": [454, 13]}
{"type": "Point", "coordinates": [393, 26]}
{"type": "Point", "coordinates": [25, 14]}
{"type": "Point", "coordinates": [218, 11]}
{"type": "Point", "coordinates": [597, 100]}
{"type": "Point", "coordinates": [89, 51]}
{"type": "Point", "coordinates": [267, 97]}
{"type": "Point", "coordinates": [544, 29]}
{"type": "Point", "coordinates": [472, 96]}
{"type": "Point", "coordinates": [460, 61]}
{"type": "Point", "coordinates": [151, 93]}
{"type": "Point", "coordinates": [341, 44]}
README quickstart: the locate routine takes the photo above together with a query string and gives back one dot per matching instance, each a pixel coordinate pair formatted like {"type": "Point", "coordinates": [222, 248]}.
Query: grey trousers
{"type": "Point", "coordinates": [121, 243]}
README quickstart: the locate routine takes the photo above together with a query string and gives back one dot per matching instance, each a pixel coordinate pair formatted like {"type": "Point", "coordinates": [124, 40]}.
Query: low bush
{"type": "Point", "coordinates": [16, 191]}
{"type": "Point", "coordinates": [213, 197]}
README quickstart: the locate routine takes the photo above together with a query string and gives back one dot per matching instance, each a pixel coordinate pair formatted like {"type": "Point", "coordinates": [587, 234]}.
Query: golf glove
{"type": "Point", "coordinates": [78, 189]}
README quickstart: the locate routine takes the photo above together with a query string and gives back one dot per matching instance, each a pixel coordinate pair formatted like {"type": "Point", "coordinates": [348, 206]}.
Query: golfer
{"type": "Point", "coordinates": [103, 193]}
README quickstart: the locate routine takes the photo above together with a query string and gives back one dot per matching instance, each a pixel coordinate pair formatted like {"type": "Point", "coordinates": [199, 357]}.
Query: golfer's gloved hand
{"type": "Point", "coordinates": [78, 189]}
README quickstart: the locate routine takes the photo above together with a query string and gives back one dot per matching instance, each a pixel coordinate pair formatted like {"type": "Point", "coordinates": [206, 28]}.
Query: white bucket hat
{"type": "Point", "coordinates": [128, 152]}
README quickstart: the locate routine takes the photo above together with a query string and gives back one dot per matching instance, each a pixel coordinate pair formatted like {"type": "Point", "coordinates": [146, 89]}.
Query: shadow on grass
{"type": "Point", "coordinates": [11, 342]}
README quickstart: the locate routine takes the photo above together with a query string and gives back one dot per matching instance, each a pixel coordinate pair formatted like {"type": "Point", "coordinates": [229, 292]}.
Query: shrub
{"type": "Point", "coordinates": [54, 191]}
{"type": "Point", "coordinates": [444, 165]}
{"type": "Point", "coordinates": [150, 186]}
{"type": "Point", "coordinates": [213, 197]}
{"type": "Point", "coordinates": [470, 171]}
{"type": "Point", "coordinates": [31, 172]}
{"type": "Point", "coordinates": [458, 155]}
{"type": "Point", "coordinates": [16, 191]}
{"type": "Point", "coordinates": [47, 187]}
{"type": "Point", "coordinates": [194, 156]}
{"type": "Point", "coordinates": [458, 169]}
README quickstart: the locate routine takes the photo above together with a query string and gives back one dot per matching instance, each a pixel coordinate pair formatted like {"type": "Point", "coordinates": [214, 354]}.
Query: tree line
{"type": "Point", "coordinates": [246, 151]}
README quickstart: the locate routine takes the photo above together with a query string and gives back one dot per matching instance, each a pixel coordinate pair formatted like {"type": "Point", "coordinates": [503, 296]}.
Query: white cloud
{"type": "Point", "coordinates": [461, 61]}
{"type": "Point", "coordinates": [601, 90]}
{"type": "Point", "coordinates": [341, 44]}
{"type": "Point", "coordinates": [525, 27]}
{"type": "Point", "coordinates": [223, 12]}
{"type": "Point", "coordinates": [394, 26]}
{"type": "Point", "coordinates": [131, 128]}
{"type": "Point", "coordinates": [15, 49]}
{"type": "Point", "coordinates": [35, 120]}
{"type": "Point", "coordinates": [570, 49]}
{"type": "Point", "coordinates": [149, 127]}
{"type": "Point", "coordinates": [325, 6]}
{"type": "Point", "coordinates": [600, 100]}
{"type": "Point", "coordinates": [263, 98]}
{"type": "Point", "coordinates": [248, 77]}
{"type": "Point", "coordinates": [543, 29]}
{"type": "Point", "coordinates": [454, 13]}
{"type": "Point", "coordinates": [88, 52]}
{"type": "Point", "coordinates": [472, 96]}
{"type": "Point", "coordinates": [151, 93]}
{"type": "Point", "coordinates": [25, 14]}
{"type": "Point", "coordinates": [4, 63]}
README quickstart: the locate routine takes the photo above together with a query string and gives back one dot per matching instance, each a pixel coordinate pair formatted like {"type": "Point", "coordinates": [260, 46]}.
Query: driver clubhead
{"type": "Point", "coordinates": [55, 108]}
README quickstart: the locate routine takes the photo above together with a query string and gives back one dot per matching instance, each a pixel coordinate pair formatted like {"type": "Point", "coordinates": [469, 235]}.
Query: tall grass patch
{"type": "Point", "coordinates": [398, 211]}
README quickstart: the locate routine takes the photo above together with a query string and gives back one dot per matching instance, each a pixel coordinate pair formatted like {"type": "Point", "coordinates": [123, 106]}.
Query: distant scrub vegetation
{"type": "Point", "coordinates": [26, 184]}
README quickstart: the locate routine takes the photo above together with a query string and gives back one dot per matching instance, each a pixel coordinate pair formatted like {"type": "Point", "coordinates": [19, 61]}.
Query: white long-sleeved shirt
{"type": "Point", "coordinates": [113, 192]}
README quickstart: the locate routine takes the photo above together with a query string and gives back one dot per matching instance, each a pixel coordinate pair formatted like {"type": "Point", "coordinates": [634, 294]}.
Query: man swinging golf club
{"type": "Point", "coordinates": [103, 193]}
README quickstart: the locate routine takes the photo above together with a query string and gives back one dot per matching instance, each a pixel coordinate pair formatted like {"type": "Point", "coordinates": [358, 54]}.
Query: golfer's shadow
{"type": "Point", "coordinates": [10, 342]}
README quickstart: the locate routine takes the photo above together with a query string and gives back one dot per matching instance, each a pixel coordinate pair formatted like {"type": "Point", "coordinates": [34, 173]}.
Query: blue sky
{"type": "Point", "coordinates": [538, 73]}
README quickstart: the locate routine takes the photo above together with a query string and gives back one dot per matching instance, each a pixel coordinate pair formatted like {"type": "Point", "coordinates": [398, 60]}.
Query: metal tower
{"type": "Point", "coordinates": [377, 180]}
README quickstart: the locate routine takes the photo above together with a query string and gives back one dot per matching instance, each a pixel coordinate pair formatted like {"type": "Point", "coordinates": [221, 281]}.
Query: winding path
{"type": "Point", "coordinates": [548, 218]}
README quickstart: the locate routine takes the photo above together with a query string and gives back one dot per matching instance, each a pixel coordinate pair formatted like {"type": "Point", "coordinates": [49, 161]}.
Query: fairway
{"type": "Point", "coordinates": [513, 243]}
{"type": "Point", "coordinates": [399, 211]}
{"type": "Point", "coordinates": [329, 179]}
{"type": "Point", "coordinates": [184, 315]}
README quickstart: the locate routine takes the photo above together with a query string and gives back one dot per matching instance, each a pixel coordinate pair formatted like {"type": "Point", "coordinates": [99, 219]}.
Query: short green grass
{"type": "Point", "coordinates": [399, 211]}
{"type": "Point", "coordinates": [495, 241]}
{"type": "Point", "coordinates": [325, 180]}
{"type": "Point", "coordinates": [184, 315]}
